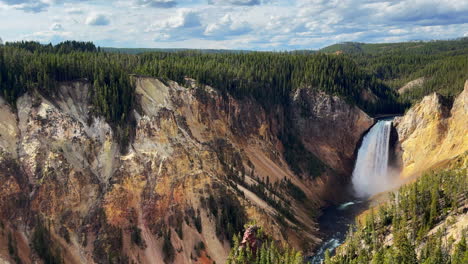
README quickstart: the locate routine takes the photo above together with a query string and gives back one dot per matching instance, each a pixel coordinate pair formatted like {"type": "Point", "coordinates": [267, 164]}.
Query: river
{"type": "Point", "coordinates": [334, 224]}
{"type": "Point", "coordinates": [370, 176]}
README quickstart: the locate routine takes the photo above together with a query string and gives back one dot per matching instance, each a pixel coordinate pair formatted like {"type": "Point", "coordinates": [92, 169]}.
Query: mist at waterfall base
{"type": "Point", "coordinates": [372, 174]}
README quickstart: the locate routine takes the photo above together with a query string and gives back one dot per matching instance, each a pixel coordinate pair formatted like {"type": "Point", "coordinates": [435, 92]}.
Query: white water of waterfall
{"type": "Point", "coordinates": [371, 173]}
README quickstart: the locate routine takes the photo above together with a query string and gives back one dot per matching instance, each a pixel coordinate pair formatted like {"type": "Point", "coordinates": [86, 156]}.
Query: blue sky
{"type": "Point", "coordinates": [232, 24]}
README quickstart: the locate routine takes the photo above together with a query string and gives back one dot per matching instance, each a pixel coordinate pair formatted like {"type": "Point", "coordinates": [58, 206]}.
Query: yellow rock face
{"type": "Point", "coordinates": [432, 132]}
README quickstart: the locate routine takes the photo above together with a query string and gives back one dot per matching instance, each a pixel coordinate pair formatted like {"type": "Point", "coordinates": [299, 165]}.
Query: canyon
{"type": "Point", "coordinates": [200, 165]}
{"type": "Point", "coordinates": [353, 153]}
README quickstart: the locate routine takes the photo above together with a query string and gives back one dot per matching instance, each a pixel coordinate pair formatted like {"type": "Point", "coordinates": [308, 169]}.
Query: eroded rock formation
{"type": "Point", "coordinates": [433, 131]}
{"type": "Point", "coordinates": [199, 166]}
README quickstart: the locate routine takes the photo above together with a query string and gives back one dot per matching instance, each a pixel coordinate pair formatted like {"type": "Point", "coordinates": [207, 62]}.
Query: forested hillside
{"type": "Point", "coordinates": [442, 64]}
{"type": "Point", "coordinates": [368, 78]}
{"type": "Point", "coordinates": [416, 225]}
{"type": "Point", "coordinates": [414, 47]}
{"type": "Point", "coordinates": [268, 77]}
{"type": "Point", "coordinates": [258, 147]}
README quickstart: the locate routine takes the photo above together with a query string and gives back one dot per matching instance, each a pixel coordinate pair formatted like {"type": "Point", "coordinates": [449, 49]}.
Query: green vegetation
{"type": "Point", "coordinates": [445, 76]}
{"type": "Point", "coordinates": [411, 214]}
{"type": "Point", "coordinates": [269, 252]}
{"type": "Point", "coordinates": [28, 66]}
{"type": "Point", "coordinates": [271, 77]}
{"type": "Point", "coordinates": [294, 191]}
{"type": "Point", "coordinates": [300, 160]}
{"type": "Point", "coordinates": [227, 212]}
{"type": "Point", "coordinates": [136, 237]}
{"type": "Point", "coordinates": [276, 195]}
{"type": "Point", "coordinates": [108, 242]}
{"type": "Point", "coordinates": [44, 246]}
{"type": "Point", "coordinates": [444, 64]}
{"type": "Point", "coordinates": [199, 247]}
{"type": "Point", "coordinates": [13, 249]}
{"type": "Point", "coordinates": [168, 248]}
{"type": "Point", "coordinates": [268, 77]}
{"type": "Point", "coordinates": [197, 221]}
{"type": "Point", "coordinates": [415, 47]}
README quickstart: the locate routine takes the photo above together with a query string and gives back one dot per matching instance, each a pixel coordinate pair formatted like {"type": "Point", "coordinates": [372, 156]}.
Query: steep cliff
{"type": "Point", "coordinates": [433, 131]}
{"type": "Point", "coordinates": [329, 127]}
{"type": "Point", "coordinates": [200, 165]}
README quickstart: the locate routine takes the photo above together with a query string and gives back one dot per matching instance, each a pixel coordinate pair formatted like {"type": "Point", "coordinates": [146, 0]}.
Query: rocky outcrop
{"type": "Point", "coordinates": [433, 131]}
{"type": "Point", "coordinates": [412, 84]}
{"type": "Point", "coordinates": [250, 239]}
{"type": "Point", "coordinates": [200, 165]}
{"type": "Point", "coordinates": [329, 127]}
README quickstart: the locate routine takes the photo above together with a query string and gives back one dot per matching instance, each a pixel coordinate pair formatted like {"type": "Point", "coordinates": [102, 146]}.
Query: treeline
{"type": "Point", "coordinates": [271, 77]}
{"type": "Point", "coordinates": [63, 47]}
{"type": "Point", "coordinates": [266, 76]}
{"type": "Point", "coordinates": [410, 218]}
{"type": "Point", "coordinates": [413, 47]}
{"type": "Point", "coordinates": [27, 66]}
{"type": "Point", "coordinates": [443, 65]}
{"type": "Point", "coordinates": [446, 76]}
{"type": "Point", "coordinates": [267, 251]}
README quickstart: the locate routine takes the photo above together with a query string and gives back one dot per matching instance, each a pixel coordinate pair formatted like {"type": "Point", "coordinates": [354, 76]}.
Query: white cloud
{"type": "Point", "coordinates": [235, 2]}
{"type": "Point", "coordinates": [184, 24]}
{"type": "Point", "coordinates": [74, 11]}
{"type": "Point", "coordinates": [156, 3]}
{"type": "Point", "coordinates": [97, 20]}
{"type": "Point", "coordinates": [27, 5]}
{"type": "Point", "coordinates": [184, 18]}
{"type": "Point", "coordinates": [240, 24]}
{"type": "Point", "coordinates": [226, 26]}
{"type": "Point", "coordinates": [48, 36]}
{"type": "Point", "coordinates": [56, 27]}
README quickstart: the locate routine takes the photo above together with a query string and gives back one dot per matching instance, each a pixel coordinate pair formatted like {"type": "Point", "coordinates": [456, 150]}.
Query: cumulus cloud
{"type": "Point", "coordinates": [183, 25]}
{"type": "Point", "coordinates": [156, 3]}
{"type": "Point", "coordinates": [226, 26]}
{"type": "Point", "coordinates": [27, 5]}
{"type": "Point", "coordinates": [244, 24]}
{"type": "Point", "coordinates": [56, 27]}
{"type": "Point", "coordinates": [235, 2]}
{"type": "Point", "coordinates": [184, 18]}
{"type": "Point", "coordinates": [74, 11]}
{"type": "Point", "coordinates": [35, 6]}
{"type": "Point", "coordinates": [97, 20]}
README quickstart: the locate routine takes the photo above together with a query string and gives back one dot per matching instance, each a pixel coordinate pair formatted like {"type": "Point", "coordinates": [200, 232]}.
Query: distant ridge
{"type": "Point", "coordinates": [415, 47]}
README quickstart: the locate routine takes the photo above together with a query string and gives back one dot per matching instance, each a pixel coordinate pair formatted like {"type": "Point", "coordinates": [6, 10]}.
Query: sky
{"type": "Point", "coordinates": [232, 24]}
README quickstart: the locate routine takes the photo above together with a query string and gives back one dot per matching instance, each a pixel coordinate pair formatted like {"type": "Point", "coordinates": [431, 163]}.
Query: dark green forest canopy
{"type": "Point", "coordinates": [443, 64]}
{"type": "Point", "coordinates": [266, 76]}
{"type": "Point", "coordinates": [412, 47]}
{"type": "Point", "coordinates": [269, 77]}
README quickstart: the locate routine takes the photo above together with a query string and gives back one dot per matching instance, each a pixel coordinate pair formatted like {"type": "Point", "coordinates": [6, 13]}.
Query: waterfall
{"type": "Point", "coordinates": [371, 174]}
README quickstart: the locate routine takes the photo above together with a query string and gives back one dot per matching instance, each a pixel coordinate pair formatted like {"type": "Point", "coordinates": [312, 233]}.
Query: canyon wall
{"type": "Point", "coordinates": [199, 166]}
{"type": "Point", "coordinates": [432, 132]}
